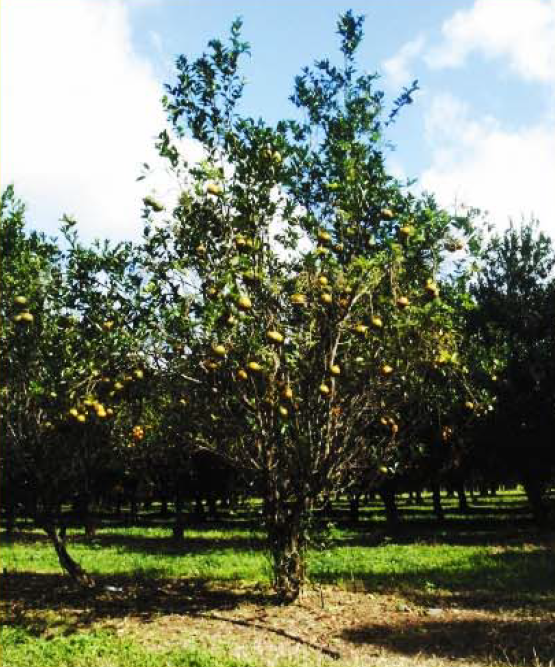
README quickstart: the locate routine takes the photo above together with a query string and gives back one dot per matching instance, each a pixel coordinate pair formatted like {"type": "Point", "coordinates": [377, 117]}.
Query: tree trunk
{"type": "Point", "coordinates": [387, 493]}
{"type": "Point", "coordinates": [11, 515]}
{"type": "Point", "coordinates": [286, 544]}
{"type": "Point", "coordinates": [354, 508]}
{"type": "Point", "coordinates": [178, 526]}
{"type": "Point", "coordinates": [67, 563]}
{"type": "Point", "coordinates": [463, 504]}
{"type": "Point", "coordinates": [212, 508]}
{"type": "Point", "coordinates": [327, 505]}
{"type": "Point", "coordinates": [534, 491]}
{"type": "Point", "coordinates": [85, 516]}
{"type": "Point", "coordinates": [436, 495]}
{"type": "Point", "coordinates": [199, 512]}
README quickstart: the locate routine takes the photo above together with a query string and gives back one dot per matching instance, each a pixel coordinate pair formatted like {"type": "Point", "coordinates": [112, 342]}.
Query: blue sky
{"type": "Point", "coordinates": [81, 82]}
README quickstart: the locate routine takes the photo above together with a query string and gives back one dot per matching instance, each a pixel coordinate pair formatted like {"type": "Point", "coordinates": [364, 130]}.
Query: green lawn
{"type": "Point", "coordinates": [491, 554]}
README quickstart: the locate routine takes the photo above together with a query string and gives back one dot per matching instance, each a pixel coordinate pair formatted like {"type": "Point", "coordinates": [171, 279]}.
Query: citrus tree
{"type": "Point", "coordinates": [513, 324]}
{"type": "Point", "coordinates": [73, 366]}
{"type": "Point", "coordinates": [304, 280]}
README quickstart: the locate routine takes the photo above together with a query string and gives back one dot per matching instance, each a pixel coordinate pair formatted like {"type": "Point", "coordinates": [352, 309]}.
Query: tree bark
{"type": "Point", "coordinates": [73, 569]}
{"type": "Point", "coordinates": [178, 526]}
{"type": "Point", "coordinates": [387, 493]}
{"type": "Point", "coordinates": [534, 491]}
{"type": "Point", "coordinates": [354, 508]}
{"type": "Point", "coordinates": [287, 549]}
{"type": "Point", "coordinates": [463, 503]}
{"type": "Point", "coordinates": [436, 495]}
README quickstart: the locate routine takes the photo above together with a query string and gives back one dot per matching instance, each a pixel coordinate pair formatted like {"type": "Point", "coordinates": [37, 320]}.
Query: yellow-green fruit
{"type": "Point", "coordinates": [383, 470]}
{"type": "Point", "coordinates": [287, 393]}
{"type": "Point", "coordinates": [25, 318]}
{"type": "Point", "coordinates": [386, 369]}
{"type": "Point", "coordinates": [275, 337]}
{"type": "Point", "coordinates": [324, 237]}
{"type": "Point", "coordinates": [361, 328]}
{"type": "Point", "coordinates": [219, 350]}
{"type": "Point", "coordinates": [74, 412]}
{"type": "Point", "coordinates": [335, 369]}
{"type": "Point", "coordinates": [350, 231]}
{"type": "Point", "coordinates": [81, 418]}
{"type": "Point", "coordinates": [339, 247]}
{"type": "Point", "coordinates": [298, 299]}
{"type": "Point", "coordinates": [387, 214]}
{"type": "Point", "coordinates": [469, 405]}
{"type": "Point", "coordinates": [324, 389]}
{"type": "Point", "coordinates": [154, 205]}
{"type": "Point", "coordinates": [254, 366]}
{"type": "Point", "coordinates": [321, 250]}
{"type": "Point", "coordinates": [240, 241]}
{"type": "Point", "coordinates": [20, 301]}
{"type": "Point", "coordinates": [242, 374]}
{"type": "Point", "coordinates": [251, 277]}
{"type": "Point", "coordinates": [323, 281]}
{"type": "Point", "coordinates": [138, 373]}
{"type": "Point", "coordinates": [108, 325]}
{"type": "Point", "coordinates": [276, 157]}
{"type": "Point", "coordinates": [101, 413]}
{"type": "Point", "coordinates": [214, 189]}
{"type": "Point", "coordinates": [118, 386]}
{"type": "Point", "coordinates": [326, 298]}
{"type": "Point", "coordinates": [402, 302]}
{"type": "Point", "coordinates": [406, 231]}
{"type": "Point", "coordinates": [377, 322]}
{"type": "Point", "coordinates": [283, 411]}
{"type": "Point", "coordinates": [244, 303]}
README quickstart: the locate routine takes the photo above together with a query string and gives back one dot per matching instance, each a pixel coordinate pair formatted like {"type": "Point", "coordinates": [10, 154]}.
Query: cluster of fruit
{"type": "Point", "coordinates": [24, 316]}
{"type": "Point", "coordinates": [94, 406]}
{"type": "Point", "coordinates": [138, 433]}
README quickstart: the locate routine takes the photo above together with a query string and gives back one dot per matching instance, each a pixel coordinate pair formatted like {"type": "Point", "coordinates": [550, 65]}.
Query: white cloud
{"type": "Point", "coordinates": [523, 31]}
{"type": "Point", "coordinates": [80, 111]}
{"type": "Point", "coordinates": [397, 68]}
{"type": "Point", "coordinates": [478, 162]}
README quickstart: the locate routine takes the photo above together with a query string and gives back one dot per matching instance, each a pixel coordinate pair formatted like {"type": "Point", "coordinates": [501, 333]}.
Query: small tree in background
{"type": "Point", "coordinates": [72, 369]}
{"type": "Point", "coordinates": [514, 323]}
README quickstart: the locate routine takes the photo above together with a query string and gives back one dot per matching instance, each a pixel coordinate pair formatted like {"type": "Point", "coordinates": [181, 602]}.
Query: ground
{"type": "Point", "coordinates": [479, 590]}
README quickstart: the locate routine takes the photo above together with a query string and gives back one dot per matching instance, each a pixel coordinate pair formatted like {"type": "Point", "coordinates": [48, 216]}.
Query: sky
{"type": "Point", "coordinates": [81, 83]}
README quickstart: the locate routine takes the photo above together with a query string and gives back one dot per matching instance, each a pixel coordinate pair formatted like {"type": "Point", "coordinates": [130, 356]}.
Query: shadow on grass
{"type": "Point", "coordinates": [145, 544]}
{"type": "Point", "coordinates": [507, 580]}
{"type": "Point", "coordinates": [39, 601]}
{"type": "Point", "coordinates": [523, 642]}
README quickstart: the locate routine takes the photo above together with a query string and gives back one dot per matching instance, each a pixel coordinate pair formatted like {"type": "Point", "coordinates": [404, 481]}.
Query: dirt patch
{"type": "Point", "coordinates": [326, 626]}
{"type": "Point", "coordinates": [337, 627]}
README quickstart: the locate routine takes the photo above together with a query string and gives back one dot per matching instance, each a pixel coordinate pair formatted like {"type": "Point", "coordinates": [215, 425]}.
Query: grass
{"type": "Point", "coordinates": [489, 561]}
{"type": "Point", "coordinates": [99, 649]}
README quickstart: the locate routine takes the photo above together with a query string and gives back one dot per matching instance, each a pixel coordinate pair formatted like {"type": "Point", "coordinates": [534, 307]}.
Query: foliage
{"type": "Point", "coordinates": [301, 355]}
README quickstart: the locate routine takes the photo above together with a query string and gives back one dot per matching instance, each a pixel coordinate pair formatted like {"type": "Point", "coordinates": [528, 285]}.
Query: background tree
{"type": "Point", "coordinates": [72, 368]}
{"type": "Point", "coordinates": [514, 323]}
